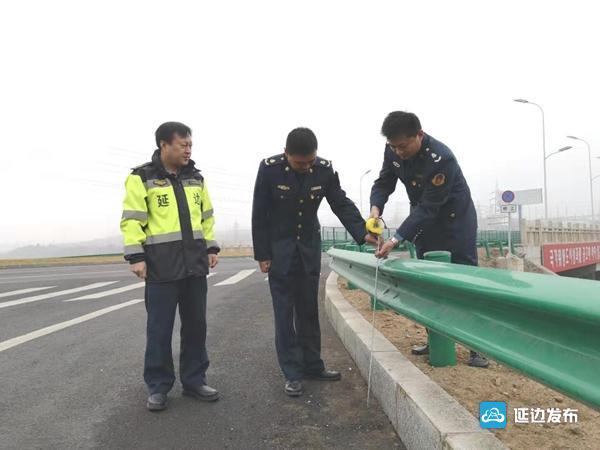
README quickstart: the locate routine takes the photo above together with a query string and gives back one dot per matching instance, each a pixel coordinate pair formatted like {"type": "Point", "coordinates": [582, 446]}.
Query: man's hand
{"type": "Point", "coordinates": [213, 260]}
{"type": "Point", "coordinates": [139, 269]}
{"type": "Point", "coordinates": [371, 239]}
{"type": "Point", "coordinates": [265, 266]}
{"type": "Point", "coordinates": [385, 249]}
{"type": "Point", "coordinates": [375, 213]}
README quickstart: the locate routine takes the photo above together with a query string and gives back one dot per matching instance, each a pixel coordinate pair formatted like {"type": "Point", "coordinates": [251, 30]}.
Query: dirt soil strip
{"type": "Point", "coordinates": [51, 262]}
{"type": "Point", "coordinates": [469, 386]}
{"type": "Point", "coordinates": [92, 260]}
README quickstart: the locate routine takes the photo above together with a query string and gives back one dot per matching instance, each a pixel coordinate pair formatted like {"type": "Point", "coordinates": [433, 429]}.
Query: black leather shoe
{"type": "Point", "coordinates": [203, 393]}
{"type": "Point", "coordinates": [294, 388]}
{"type": "Point", "coordinates": [326, 375]}
{"type": "Point", "coordinates": [420, 349]}
{"type": "Point", "coordinates": [157, 402]}
{"type": "Point", "coordinates": [477, 360]}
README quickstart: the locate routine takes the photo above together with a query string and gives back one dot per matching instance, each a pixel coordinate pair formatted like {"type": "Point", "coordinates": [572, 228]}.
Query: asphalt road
{"type": "Point", "coordinates": [71, 371]}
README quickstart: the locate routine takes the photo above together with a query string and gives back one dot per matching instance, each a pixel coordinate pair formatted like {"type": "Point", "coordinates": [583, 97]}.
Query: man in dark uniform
{"type": "Point", "coordinates": [287, 244]}
{"type": "Point", "coordinates": [442, 213]}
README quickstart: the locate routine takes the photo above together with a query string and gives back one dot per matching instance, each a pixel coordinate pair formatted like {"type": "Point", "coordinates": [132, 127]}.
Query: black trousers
{"type": "Point", "coordinates": [297, 331]}
{"type": "Point", "coordinates": [161, 302]}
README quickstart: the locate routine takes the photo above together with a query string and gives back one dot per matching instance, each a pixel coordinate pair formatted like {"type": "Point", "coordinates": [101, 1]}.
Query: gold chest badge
{"type": "Point", "coordinates": [439, 179]}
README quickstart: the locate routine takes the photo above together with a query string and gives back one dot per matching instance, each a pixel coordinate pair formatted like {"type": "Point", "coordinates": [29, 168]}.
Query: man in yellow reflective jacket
{"type": "Point", "coordinates": [168, 230]}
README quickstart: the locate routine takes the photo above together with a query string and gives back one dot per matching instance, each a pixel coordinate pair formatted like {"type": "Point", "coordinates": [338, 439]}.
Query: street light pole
{"type": "Point", "coordinates": [360, 187]}
{"type": "Point", "coordinates": [590, 169]}
{"type": "Point", "coordinates": [560, 150]}
{"type": "Point", "coordinates": [522, 100]}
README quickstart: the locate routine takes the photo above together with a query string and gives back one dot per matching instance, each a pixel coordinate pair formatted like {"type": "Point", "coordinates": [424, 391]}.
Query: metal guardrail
{"type": "Point", "coordinates": [366, 248]}
{"type": "Point", "coordinates": [545, 327]}
{"type": "Point", "coordinates": [409, 247]}
{"type": "Point", "coordinates": [339, 234]}
{"type": "Point", "coordinates": [498, 235]}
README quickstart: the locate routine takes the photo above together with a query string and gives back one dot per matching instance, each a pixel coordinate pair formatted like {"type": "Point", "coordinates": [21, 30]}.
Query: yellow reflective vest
{"type": "Point", "coordinates": [168, 221]}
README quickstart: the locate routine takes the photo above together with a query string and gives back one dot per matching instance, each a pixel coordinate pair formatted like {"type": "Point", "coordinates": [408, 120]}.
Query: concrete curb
{"type": "Point", "coordinates": [423, 414]}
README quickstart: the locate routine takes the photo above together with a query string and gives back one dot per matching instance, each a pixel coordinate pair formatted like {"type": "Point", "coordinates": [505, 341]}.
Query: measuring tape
{"type": "Point", "coordinates": [374, 226]}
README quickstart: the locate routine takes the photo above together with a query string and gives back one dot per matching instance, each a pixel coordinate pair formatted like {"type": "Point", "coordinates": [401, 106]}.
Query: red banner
{"type": "Point", "coordinates": [561, 257]}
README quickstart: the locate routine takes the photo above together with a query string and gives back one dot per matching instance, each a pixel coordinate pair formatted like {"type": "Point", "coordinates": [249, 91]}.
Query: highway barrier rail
{"type": "Point", "coordinates": [486, 239]}
{"type": "Point", "coordinates": [339, 234]}
{"type": "Point", "coordinates": [546, 327]}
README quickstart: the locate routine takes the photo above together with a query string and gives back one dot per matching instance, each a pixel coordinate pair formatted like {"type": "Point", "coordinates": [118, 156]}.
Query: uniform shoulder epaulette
{"type": "Point", "coordinates": [322, 162]}
{"type": "Point", "coordinates": [438, 154]}
{"type": "Point", "coordinates": [274, 160]}
{"type": "Point", "coordinates": [146, 164]}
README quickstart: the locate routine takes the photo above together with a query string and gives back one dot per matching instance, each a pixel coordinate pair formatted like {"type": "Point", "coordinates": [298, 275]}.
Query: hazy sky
{"type": "Point", "coordinates": [84, 85]}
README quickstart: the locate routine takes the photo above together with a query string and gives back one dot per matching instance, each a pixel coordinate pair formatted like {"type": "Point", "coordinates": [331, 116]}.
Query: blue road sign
{"type": "Point", "coordinates": [508, 196]}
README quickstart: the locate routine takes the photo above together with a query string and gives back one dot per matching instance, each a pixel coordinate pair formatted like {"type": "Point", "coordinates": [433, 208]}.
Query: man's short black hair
{"type": "Point", "coordinates": [400, 124]}
{"type": "Point", "coordinates": [301, 141]}
{"type": "Point", "coordinates": [167, 131]}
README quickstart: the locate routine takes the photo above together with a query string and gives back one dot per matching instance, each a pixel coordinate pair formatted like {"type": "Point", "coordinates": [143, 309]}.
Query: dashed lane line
{"type": "Point", "coordinates": [10, 343]}
{"type": "Point", "coordinates": [36, 298]}
{"type": "Point", "coordinates": [103, 294]}
{"type": "Point", "coordinates": [24, 291]}
{"type": "Point", "coordinates": [237, 277]}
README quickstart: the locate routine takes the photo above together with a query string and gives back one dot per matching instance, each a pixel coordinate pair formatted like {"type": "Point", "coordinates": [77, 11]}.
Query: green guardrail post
{"type": "Point", "coordinates": [442, 351]}
{"type": "Point", "coordinates": [411, 250]}
{"type": "Point", "coordinates": [486, 244]}
{"type": "Point", "coordinates": [378, 306]}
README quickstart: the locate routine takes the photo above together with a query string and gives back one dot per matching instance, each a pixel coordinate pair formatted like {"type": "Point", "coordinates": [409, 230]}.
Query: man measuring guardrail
{"type": "Point", "coordinates": [442, 214]}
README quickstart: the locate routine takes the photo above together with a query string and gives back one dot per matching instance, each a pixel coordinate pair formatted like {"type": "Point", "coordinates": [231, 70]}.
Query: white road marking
{"type": "Point", "coordinates": [102, 294]}
{"type": "Point", "coordinates": [237, 277]}
{"type": "Point", "coordinates": [267, 279]}
{"type": "Point", "coordinates": [36, 298]}
{"type": "Point", "coordinates": [25, 291]}
{"type": "Point", "coordinates": [5, 345]}
{"type": "Point", "coordinates": [211, 274]}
